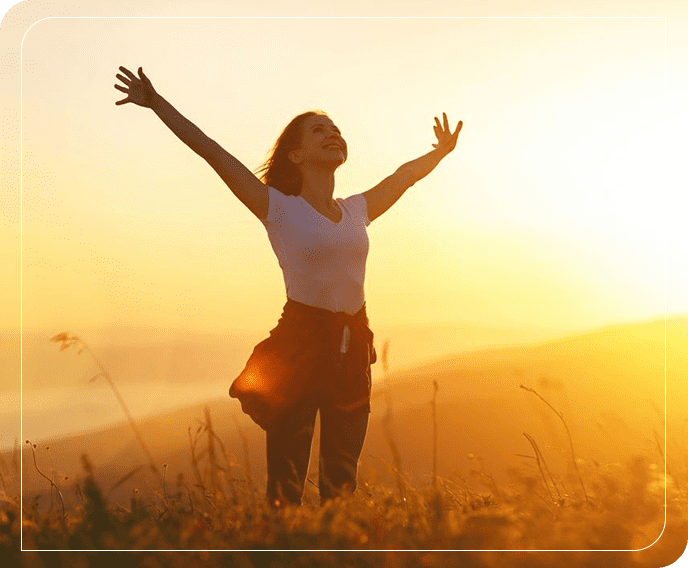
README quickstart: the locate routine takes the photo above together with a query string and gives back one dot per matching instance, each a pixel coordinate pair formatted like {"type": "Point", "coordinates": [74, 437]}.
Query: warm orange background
{"type": "Point", "coordinates": [550, 213]}
{"type": "Point", "coordinates": [561, 211]}
{"type": "Point", "coordinates": [555, 213]}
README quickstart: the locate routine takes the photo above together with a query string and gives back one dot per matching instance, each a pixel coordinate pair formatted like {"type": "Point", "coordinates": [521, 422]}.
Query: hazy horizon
{"type": "Point", "coordinates": [203, 371]}
{"type": "Point", "coordinates": [583, 369]}
{"type": "Point", "coordinates": [411, 344]}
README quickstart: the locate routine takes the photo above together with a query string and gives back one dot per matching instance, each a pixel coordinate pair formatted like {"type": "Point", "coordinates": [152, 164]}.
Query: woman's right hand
{"type": "Point", "coordinates": [140, 91]}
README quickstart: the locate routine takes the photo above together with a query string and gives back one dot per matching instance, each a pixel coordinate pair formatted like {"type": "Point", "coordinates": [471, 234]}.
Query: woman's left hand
{"type": "Point", "coordinates": [446, 141]}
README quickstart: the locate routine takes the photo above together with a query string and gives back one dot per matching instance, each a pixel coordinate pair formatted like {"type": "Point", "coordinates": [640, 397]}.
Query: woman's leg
{"type": "Point", "coordinates": [341, 440]}
{"type": "Point", "coordinates": [342, 431]}
{"type": "Point", "coordinates": [288, 453]}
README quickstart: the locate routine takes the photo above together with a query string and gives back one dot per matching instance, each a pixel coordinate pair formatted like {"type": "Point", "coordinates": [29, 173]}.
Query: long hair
{"type": "Point", "coordinates": [278, 170]}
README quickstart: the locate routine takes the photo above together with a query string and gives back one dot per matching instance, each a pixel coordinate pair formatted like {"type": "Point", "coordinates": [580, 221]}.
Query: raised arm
{"type": "Point", "coordinates": [389, 190]}
{"type": "Point", "coordinates": [243, 183]}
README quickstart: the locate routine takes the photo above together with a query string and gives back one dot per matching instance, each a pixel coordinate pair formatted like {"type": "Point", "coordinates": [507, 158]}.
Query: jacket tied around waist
{"type": "Point", "coordinates": [307, 356]}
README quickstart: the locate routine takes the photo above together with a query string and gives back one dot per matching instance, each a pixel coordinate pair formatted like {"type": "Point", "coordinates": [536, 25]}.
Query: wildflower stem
{"type": "Point", "coordinates": [537, 457]}
{"type": "Point", "coordinates": [52, 484]}
{"type": "Point", "coordinates": [130, 418]}
{"type": "Point", "coordinates": [568, 433]}
{"type": "Point", "coordinates": [67, 339]}
{"type": "Point", "coordinates": [435, 386]}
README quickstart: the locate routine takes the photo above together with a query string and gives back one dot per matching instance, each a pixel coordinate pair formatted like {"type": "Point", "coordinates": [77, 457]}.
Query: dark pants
{"type": "Point", "coordinates": [341, 439]}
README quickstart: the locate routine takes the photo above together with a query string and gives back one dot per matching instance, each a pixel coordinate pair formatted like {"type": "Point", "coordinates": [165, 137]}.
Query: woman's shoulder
{"type": "Point", "coordinates": [279, 205]}
{"type": "Point", "coordinates": [357, 207]}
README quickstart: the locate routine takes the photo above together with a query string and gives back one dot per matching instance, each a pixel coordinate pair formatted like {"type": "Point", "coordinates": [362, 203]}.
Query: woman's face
{"type": "Point", "coordinates": [321, 142]}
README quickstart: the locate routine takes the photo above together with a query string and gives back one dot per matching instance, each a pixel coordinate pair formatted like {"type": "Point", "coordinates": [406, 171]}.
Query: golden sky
{"type": "Point", "coordinates": [555, 210]}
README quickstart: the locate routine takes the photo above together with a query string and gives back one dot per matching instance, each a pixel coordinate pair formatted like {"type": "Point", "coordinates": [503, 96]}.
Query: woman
{"type": "Point", "coordinates": [318, 357]}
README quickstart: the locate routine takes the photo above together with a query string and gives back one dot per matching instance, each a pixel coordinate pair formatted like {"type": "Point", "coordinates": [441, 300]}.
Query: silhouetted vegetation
{"type": "Point", "coordinates": [617, 507]}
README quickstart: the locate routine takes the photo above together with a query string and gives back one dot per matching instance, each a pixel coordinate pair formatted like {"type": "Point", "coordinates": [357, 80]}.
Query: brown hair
{"type": "Point", "coordinates": [278, 170]}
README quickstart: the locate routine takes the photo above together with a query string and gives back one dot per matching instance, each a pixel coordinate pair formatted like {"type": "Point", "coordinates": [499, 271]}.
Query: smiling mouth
{"type": "Point", "coordinates": [333, 146]}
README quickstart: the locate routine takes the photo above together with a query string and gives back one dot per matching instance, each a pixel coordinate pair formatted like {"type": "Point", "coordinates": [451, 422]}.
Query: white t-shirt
{"type": "Point", "coordinates": [323, 262]}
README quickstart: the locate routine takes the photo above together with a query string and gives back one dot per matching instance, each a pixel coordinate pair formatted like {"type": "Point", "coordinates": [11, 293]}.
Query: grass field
{"type": "Point", "coordinates": [438, 475]}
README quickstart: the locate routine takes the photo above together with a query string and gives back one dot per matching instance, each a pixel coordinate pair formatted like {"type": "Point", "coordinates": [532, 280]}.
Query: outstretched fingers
{"type": "Point", "coordinates": [143, 76]}
{"type": "Point", "coordinates": [127, 82]}
{"type": "Point", "coordinates": [445, 137]}
{"type": "Point", "coordinates": [124, 90]}
{"type": "Point", "coordinates": [444, 128]}
{"type": "Point", "coordinates": [127, 72]}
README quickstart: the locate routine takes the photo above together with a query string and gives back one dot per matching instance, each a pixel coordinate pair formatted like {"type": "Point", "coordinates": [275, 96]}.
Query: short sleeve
{"type": "Point", "coordinates": [359, 208]}
{"type": "Point", "coordinates": [275, 206]}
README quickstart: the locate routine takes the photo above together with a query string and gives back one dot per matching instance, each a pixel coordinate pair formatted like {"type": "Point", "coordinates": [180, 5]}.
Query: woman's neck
{"type": "Point", "coordinates": [317, 187]}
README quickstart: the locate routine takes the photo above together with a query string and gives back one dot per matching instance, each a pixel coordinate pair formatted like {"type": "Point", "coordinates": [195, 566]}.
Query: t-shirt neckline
{"type": "Point", "coordinates": [341, 210]}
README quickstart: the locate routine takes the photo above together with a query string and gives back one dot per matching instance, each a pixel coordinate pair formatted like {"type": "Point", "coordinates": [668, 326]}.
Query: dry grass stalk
{"type": "Point", "coordinates": [216, 470]}
{"type": "Point", "coordinates": [212, 467]}
{"type": "Point", "coordinates": [433, 402]}
{"type": "Point", "coordinates": [193, 440]}
{"type": "Point", "coordinates": [568, 433]}
{"type": "Point", "coordinates": [540, 461]}
{"type": "Point", "coordinates": [123, 479]}
{"type": "Point", "coordinates": [2, 477]}
{"type": "Point", "coordinates": [387, 427]}
{"type": "Point", "coordinates": [66, 340]}
{"type": "Point", "coordinates": [247, 457]}
{"type": "Point", "coordinates": [52, 483]}
{"type": "Point", "coordinates": [666, 467]}
{"type": "Point", "coordinates": [52, 470]}
{"type": "Point", "coordinates": [164, 488]}
{"type": "Point", "coordinates": [385, 357]}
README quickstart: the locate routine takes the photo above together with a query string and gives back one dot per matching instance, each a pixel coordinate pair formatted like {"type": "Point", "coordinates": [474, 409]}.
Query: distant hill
{"type": "Point", "coordinates": [179, 356]}
{"type": "Point", "coordinates": [608, 383]}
